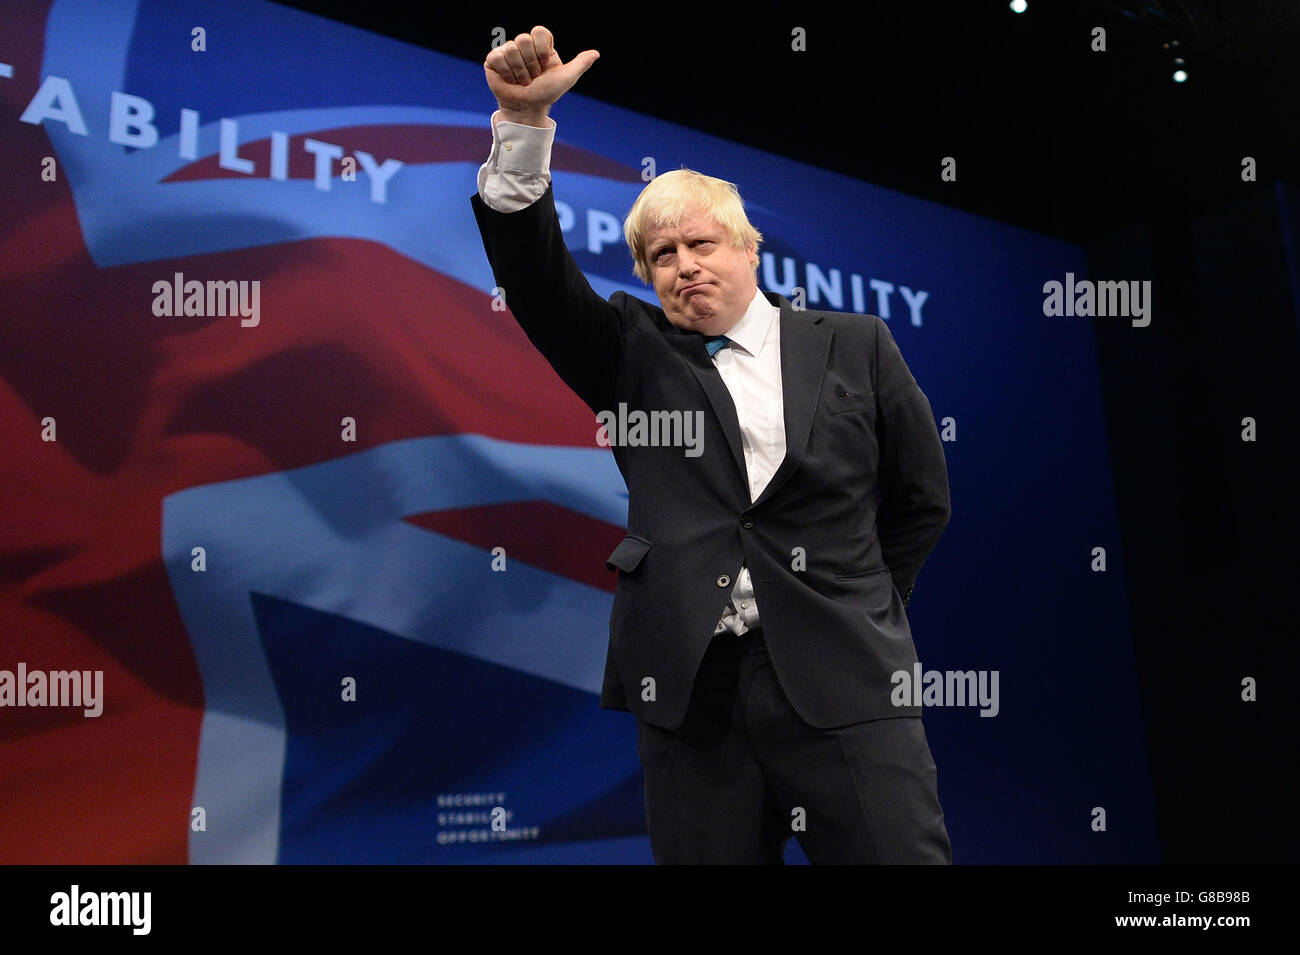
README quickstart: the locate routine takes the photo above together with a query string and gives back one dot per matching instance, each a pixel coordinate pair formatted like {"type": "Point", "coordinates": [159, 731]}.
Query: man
{"type": "Point", "coordinates": [758, 617]}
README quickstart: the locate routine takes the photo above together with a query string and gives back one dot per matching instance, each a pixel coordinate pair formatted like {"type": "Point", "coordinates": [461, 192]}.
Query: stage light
{"type": "Point", "coordinates": [1019, 6]}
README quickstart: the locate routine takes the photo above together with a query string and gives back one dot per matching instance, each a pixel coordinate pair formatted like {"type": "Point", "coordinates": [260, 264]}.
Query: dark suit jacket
{"type": "Point", "coordinates": [862, 493]}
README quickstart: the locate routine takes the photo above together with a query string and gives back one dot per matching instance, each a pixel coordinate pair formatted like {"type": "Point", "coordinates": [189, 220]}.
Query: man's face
{"type": "Point", "coordinates": [704, 283]}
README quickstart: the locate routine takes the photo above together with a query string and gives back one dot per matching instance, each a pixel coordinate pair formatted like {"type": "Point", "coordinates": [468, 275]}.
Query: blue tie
{"type": "Point", "coordinates": [716, 343]}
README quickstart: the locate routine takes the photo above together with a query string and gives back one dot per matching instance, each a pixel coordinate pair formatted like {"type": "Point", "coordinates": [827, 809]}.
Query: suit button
{"type": "Point", "coordinates": [746, 521]}
{"type": "Point", "coordinates": [723, 580]}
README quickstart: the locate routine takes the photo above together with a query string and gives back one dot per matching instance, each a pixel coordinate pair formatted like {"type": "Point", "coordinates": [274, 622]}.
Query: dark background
{"type": "Point", "coordinates": [1099, 148]}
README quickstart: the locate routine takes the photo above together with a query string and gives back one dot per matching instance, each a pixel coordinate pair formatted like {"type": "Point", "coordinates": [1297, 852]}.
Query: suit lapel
{"type": "Point", "coordinates": [805, 345]}
{"type": "Point", "coordinates": [691, 348]}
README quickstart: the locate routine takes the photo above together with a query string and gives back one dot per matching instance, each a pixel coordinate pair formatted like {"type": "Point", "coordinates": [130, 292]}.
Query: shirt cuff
{"type": "Point", "coordinates": [520, 148]}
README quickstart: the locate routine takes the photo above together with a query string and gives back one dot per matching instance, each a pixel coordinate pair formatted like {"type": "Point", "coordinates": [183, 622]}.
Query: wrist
{"type": "Point", "coordinates": [527, 117]}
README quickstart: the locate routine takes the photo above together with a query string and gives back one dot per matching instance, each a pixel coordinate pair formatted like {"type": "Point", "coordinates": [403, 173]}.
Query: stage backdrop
{"type": "Point", "coordinates": [332, 534]}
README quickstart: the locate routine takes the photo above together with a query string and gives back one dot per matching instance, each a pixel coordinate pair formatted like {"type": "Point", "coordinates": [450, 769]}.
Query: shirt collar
{"type": "Point", "coordinates": [752, 330]}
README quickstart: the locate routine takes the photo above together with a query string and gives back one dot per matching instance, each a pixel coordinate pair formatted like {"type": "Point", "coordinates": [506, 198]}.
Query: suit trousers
{"type": "Point", "coordinates": [743, 773]}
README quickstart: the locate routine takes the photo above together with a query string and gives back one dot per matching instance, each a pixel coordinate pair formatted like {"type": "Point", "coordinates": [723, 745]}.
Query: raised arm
{"type": "Point", "coordinates": [578, 332]}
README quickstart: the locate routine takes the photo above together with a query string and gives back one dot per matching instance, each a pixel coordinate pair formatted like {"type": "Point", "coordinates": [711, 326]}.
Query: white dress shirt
{"type": "Point", "coordinates": [515, 176]}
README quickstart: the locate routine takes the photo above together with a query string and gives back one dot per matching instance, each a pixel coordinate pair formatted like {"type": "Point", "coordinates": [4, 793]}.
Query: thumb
{"type": "Point", "coordinates": [580, 64]}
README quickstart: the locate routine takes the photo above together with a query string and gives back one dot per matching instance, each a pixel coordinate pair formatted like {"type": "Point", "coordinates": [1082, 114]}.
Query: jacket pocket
{"type": "Point", "coordinates": [864, 575]}
{"type": "Point", "coordinates": [627, 555]}
{"type": "Point", "coordinates": [841, 401]}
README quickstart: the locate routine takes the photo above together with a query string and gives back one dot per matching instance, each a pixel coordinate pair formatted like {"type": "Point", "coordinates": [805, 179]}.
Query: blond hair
{"type": "Point", "coordinates": [670, 198]}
